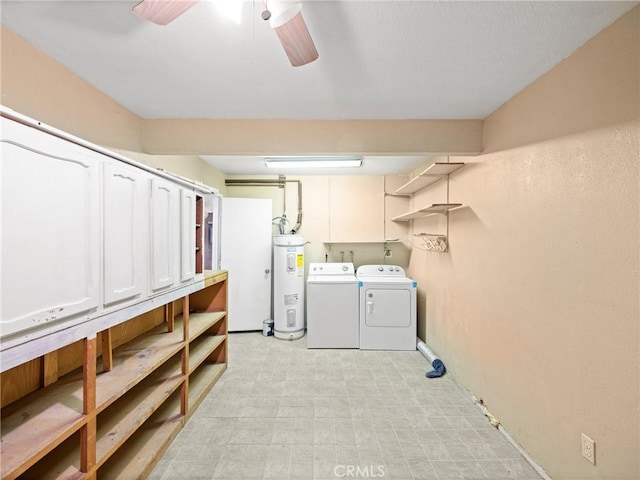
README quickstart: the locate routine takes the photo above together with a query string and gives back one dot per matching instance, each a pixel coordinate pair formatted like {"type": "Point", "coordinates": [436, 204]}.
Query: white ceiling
{"type": "Point", "coordinates": [378, 59]}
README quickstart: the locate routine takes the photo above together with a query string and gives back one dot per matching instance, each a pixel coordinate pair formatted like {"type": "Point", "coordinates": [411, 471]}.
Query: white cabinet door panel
{"type": "Point", "coordinates": [187, 235]}
{"type": "Point", "coordinates": [165, 234]}
{"type": "Point", "coordinates": [50, 217]}
{"type": "Point", "coordinates": [125, 232]}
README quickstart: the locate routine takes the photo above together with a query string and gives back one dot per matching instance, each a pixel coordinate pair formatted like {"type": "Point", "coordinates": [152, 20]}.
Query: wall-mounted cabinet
{"type": "Point", "coordinates": [165, 234]}
{"type": "Point", "coordinates": [187, 235]}
{"type": "Point", "coordinates": [99, 231]}
{"type": "Point", "coordinates": [51, 223]}
{"type": "Point", "coordinates": [126, 214]}
{"type": "Point", "coordinates": [356, 208]}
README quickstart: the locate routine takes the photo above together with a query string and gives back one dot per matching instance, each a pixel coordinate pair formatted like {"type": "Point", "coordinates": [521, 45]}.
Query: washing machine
{"type": "Point", "coordinates": [332, 306]}
{"type": "Point", "coordinates": [387, 308]}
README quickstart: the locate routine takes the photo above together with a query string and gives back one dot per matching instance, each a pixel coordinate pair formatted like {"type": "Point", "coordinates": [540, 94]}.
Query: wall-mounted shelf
{"type": "Point", "coordinates": [337, 242]}
{"type": "Point", "coordinates": [426, 211]}
{"type": "Point", "coordinates": [430, 175]}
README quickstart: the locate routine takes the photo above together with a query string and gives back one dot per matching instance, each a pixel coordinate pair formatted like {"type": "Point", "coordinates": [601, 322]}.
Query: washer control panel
{"type": "Point", "coordinates": [331, 269]}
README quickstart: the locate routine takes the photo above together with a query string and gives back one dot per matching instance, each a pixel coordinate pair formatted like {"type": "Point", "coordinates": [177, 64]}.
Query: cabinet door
{"type": "Point", "coordinates": [50, 222]}
{"type": "Point", "coordinates": [356, 208]}
{"type": "Point", "coordinates": [125, 232]}
{"type": "Point", "coordinates": [187, 235]}
{"type": "Point", "coordinates": [165, 234]}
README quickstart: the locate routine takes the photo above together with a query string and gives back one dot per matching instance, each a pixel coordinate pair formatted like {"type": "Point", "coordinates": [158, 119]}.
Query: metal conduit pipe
{"type": "Point", "coordinates": [280, 183]}
{"type": "Point", "coordinates": [299, 219]}
{"type": "Point", "coordinates": [432, 358]}
{"type": "Point", "coordinates": [252, 182]}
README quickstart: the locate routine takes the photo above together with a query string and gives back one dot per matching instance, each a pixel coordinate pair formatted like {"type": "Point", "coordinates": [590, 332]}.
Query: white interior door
{"type": "Point", "coordinates": [246, 254]}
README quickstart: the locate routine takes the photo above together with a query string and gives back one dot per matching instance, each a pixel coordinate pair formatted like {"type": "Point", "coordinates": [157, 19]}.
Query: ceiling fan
{"type": "Point", "coordinates": [289, 26]}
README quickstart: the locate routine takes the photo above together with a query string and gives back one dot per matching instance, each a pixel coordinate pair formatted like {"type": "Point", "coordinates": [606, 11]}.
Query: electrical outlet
{"type": "Point", "coordinates": [588, 449]}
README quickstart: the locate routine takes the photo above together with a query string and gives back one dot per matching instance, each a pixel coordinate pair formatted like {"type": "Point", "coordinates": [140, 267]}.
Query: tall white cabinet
{"type": "Point", "coordinates": [50, 198]}
{"type": "Point", "coordinates": [126, 213]}
{"type": "Point", "coordinates": [188, 251]}
{"type": "Point", "coordinates": [165, 234]}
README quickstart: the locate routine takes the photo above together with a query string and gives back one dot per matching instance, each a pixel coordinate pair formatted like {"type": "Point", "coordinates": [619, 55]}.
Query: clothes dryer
{"type": "Point", "coordinates": [332, 306]}
{"type": "Point", "coordinates": [387, 308]}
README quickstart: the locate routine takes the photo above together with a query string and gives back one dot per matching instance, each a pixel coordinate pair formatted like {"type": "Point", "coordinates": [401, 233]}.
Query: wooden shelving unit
{"type": "Point", "coordinates": [115, 418]}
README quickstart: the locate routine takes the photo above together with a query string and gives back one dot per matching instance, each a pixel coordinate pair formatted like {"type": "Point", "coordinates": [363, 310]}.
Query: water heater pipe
{"type": "Point", "coordinates": [432, 358]}
{"type": "Point", "coordinates": [299, 219]}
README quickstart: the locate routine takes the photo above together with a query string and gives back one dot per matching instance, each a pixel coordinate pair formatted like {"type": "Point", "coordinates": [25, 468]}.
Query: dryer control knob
{"type": "Point", "coordinates": [345, 268]}
{"type": "Point", "coordinates": [380, 269]}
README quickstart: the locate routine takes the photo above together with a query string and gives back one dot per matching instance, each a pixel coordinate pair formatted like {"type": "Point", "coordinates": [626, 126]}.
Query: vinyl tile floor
{"type": "Point", "coordinates": [281, 411]}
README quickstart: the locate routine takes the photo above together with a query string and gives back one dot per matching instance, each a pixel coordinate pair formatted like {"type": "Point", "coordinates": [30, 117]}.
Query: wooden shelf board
{"type": "Point", "coordinates": [424, 212]}
{"type": "Point", "coordinates": [118, 423]}
{"type": "Point", "coordinates": [201, 381]}
{"type": "Point", "coordinates": [214, 276]}
{"type": "Point", "coordinates": [141, 452]}
{"type": "Point", "coordinates": [199, 352]}
{"type": "Point", "coordinates": [431, 174]}
{"type": "Point", "coordinates": [35, 424]}
{"type": "Point", "coordinates": [62, 464]}
{"type": "Point", "coordinates": [133, 361]}
{"type": "Point", "coordinates": [200, 322]}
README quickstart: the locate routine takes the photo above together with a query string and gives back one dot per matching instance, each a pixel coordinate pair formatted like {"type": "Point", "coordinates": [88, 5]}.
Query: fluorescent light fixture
{"type": "Point", "coordinates": [312, 162]}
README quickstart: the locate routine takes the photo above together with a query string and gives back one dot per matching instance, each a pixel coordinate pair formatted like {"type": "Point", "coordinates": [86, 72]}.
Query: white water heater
{"type": "Point", "coordinates": [288, 286]}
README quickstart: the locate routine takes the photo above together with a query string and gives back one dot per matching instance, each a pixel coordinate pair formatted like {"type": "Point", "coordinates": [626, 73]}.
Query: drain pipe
{"type": "Point", "coordinates": [437, 364]}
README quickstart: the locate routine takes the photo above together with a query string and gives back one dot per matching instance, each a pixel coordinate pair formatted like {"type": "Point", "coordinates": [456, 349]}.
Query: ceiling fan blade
{"type": "Point", "coordinates": [162, 12]}
{"type": "Point", "coordinates": [294, 36]}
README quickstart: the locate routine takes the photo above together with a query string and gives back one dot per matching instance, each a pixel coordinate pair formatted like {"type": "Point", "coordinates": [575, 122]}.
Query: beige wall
{"type": "Point", "coordinates": [536, 307]}
{"type": "Point", "coordinates": [37, 86]}
{"type": "Point", "coordinates": [188, 166]}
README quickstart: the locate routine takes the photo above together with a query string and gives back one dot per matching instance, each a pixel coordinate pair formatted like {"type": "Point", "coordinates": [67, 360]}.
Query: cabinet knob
{"type": "Point", "coordinates": [267, 271]}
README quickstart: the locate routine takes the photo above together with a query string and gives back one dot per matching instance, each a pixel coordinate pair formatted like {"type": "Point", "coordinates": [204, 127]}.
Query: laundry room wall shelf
{"type": "Point", "coordinates": [441, 208]}
{"type": "Point", "coordinates": [371, 242]}
{"type": "Point", "coordinates": [431, 174]}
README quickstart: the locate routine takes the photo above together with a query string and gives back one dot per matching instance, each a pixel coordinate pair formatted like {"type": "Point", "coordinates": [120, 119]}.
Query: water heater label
{"type": "Point", "coordinates": [291, 299]}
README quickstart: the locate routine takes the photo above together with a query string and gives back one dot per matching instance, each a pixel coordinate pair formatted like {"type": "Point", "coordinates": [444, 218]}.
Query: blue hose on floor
{"type": "Point", "coordinates": [437, 364]}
